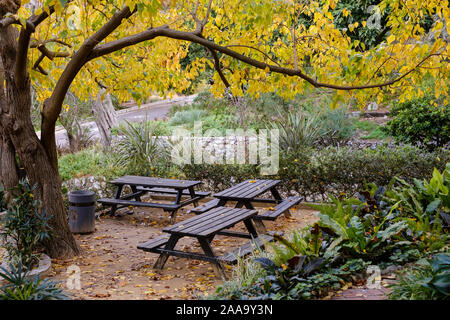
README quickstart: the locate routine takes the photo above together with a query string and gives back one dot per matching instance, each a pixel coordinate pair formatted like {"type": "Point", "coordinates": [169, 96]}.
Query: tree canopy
{"type": "Point", "coordinates": [380, 47]}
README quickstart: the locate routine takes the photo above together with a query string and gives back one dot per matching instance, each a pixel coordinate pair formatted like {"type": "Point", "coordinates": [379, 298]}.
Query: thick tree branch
{"type": "Point", "coordinates": [24, 43]}
{"type": "Point", "coordinates": [219, 68]}
{"type": "Point", "coordinates": [164, 31]}
{"type": "Point", "coordinates": [53, 105]}
{"type": "Point", "coordinates": [8, 21]}
{"type": "Point", "coordinates": [51, 54]}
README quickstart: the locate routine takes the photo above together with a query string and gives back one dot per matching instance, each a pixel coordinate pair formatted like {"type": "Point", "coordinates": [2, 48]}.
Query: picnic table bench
{"type": "Point", "coordinates": [142, 185]}
{"type": "Point", "coordinates": [246, 193]}
{"type": "Point", "coordinates": [204, 228]}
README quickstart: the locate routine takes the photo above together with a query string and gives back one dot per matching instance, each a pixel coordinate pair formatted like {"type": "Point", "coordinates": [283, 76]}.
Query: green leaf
{"type": "Point", "coordinates": [432, 206]}
{"type": "Point", "coordinates": [441, 283]}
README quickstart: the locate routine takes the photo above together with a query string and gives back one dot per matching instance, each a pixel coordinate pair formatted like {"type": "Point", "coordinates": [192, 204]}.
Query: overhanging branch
{"type": "Point", "coordinates": [165, 31]}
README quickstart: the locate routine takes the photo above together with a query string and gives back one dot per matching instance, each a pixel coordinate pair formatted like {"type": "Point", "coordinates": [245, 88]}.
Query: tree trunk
{"type": "Point", "coordinates": [42, 171]}
{"type": "Point", "coordinates": [106, 116]}
{"type": "Point", "coordinates": [9, 174]}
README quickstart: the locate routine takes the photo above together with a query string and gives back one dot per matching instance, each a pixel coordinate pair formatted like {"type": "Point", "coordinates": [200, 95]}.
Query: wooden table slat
{"type": "Point", "coordinates": [250, 188]}
{"type": "Point", "coordinates": [221, 221]}
{"type": "Point", "coordinates": [257, 188]}
{"type": "Point", "coordinates": [247, 190]}
{"type": "Point", "coordinates": [197, 223]}
{"type": "Point", "coordinates": [155, 182]}
{"type": "Point", "coordinates": [231, 222]}
{"type": "Point", "coordinates": [265, 187]}
{"type": "Point", "coordinates": [233, 189]}
{"type": "Point", "coordinates": [211, 222]}
{"type": "Point", "coordinates": [195, 220]}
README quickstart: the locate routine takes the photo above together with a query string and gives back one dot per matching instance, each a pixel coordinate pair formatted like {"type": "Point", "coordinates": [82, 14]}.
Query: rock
{"type": "Point", "coordinates": [43, 269]}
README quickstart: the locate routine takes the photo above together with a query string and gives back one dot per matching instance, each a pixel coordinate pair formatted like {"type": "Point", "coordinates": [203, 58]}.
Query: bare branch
{"type": "Point", "coordinates": [36, 43]}
{"type": "Point", "coordinates": [208, 12]}
{"type": "Point", "coordinates": [24, 43]}
{"type": "Point", "coordinates": [253, 48]}
{"type": "Point", "coordinates": [51, 54]}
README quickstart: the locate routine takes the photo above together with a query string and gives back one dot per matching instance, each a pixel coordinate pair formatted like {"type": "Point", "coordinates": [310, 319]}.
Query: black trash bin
{"type": "Point", "coordinates": [82, 211]}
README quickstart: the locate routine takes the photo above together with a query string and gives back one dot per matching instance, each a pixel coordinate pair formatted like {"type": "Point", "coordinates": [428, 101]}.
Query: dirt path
{"type": "Point", "coordinates": [113, 268]}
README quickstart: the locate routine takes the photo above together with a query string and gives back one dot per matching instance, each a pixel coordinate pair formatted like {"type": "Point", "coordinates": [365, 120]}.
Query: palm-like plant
{"type": "Point", "coordinates": [138, 149]}
{"type": "Point", "coordinates": [20, 286]}
{"type": "Point", "coordinates": [298, 130]}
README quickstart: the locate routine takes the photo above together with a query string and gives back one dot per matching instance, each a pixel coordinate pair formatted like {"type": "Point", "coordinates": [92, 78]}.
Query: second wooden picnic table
{"type": "Point", "coordinates": [142, 185]}
{"type": "Point", "coordinates": [246, 193]}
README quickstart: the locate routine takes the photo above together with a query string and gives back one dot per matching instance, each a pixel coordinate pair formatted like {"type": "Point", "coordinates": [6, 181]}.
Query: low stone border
{"type": "Point", "coordinates": [43, 269]}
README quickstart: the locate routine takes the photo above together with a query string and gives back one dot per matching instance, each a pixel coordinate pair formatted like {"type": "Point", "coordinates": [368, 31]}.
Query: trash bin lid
{"type": "Point", "coordinates": [81, 196]}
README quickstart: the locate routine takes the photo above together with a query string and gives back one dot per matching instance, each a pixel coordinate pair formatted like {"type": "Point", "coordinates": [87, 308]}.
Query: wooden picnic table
{"type": "Point", "coordinates": [246, 193]}
{"type": "Point", "coordinates": [204, 228]}
{"type": "Point", "coordinates": [142, 185]}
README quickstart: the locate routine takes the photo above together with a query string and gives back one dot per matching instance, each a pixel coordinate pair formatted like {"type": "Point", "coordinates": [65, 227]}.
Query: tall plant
{"type": "Point", "coordinates": [298, 131]}
{"type": "Point", "coordinates": [138, 149]}
{"type": "Point", "coordinates": [24, 227]}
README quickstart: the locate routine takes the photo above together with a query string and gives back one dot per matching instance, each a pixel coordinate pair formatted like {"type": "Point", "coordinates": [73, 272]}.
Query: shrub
{"type": "Point", "coordinates": [24, 228]}
{"type": "Point", "coordinates": [337, 127]}
{"type": "Point", "coordinates": [21, 286]}
{"type": "Point", "coordinates": [187, 117]}
{"type": "Point", "coordinates": [421, 123]}
{"type": "Point", "coordinates": [426, 205]}
{"type": "Point", "coordinates": [92, 161]}
{"type": "Point", "coordinates": [138, 150]}
{"type": "Point", "coordinates": [298, 131]}
{"type": "Point", "coordinates": [314, 174]}
{"type": "Point", "coordinates": [218, 177]}
{"type": "Point", "coordinates": [427, 280]}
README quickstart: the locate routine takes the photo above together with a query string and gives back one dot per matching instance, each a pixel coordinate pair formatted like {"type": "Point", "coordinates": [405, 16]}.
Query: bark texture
{"type": "Point", "coordinates": [105, 116]}
{"type": "Point", "coordinates": [16, 124]}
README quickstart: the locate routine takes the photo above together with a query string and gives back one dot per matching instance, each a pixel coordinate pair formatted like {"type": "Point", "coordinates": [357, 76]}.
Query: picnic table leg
{"type": "Point", "coordinates": [192, 193]}
{"type": "Point", "coordinates": [259, 225]}
{"type": "Point", "coordinates": [137, 197]}
{"type": "Point", "coordinates": [251, 228]}
{"type": "Point", "coordinates": [239, 204]}
{"type": "Point", "coordinates": [217, 265]}
{"type": "Point", "coordinates": [277, 196]}
{"type": "Point", "coordinates": [159, 264]}
{"type": "Point", "coordinates": [221, 203]}
{"type": "Point", "coordinates": [116, 196]}
{"type": "Point", "coordinates": [173, 216]}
